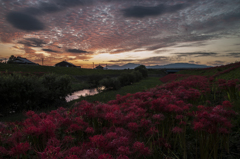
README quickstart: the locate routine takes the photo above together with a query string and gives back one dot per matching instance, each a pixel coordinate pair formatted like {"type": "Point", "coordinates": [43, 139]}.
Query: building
{"type": "Point", "coordinates": [65, 64]}
{"type": "Point", "coordinates": [20, 60]}
{"type": "Point", "coordinates": [99, 67]}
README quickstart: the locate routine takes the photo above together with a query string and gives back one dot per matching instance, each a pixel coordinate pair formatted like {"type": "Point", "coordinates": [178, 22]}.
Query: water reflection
{"type": "Point", "coordinates": [83, 93]}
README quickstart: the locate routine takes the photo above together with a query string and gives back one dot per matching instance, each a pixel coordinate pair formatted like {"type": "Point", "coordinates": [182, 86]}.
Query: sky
{"type": "Point", "coordinates": [117, 32]}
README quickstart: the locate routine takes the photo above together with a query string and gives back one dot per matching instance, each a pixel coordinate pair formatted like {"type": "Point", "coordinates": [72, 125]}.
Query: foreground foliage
{"type": "Point", "coordinates": [31, 91]}
{"type": "Point", "coordinates": [181, 119]}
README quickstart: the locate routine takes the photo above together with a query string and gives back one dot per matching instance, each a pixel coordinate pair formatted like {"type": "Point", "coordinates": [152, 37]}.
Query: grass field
{"type": "Point", "coordinates": [57, 70]}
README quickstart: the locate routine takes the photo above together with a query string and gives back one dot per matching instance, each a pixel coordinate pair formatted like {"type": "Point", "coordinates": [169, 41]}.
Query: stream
{"type": "Point", "coordinates": [84, 93]}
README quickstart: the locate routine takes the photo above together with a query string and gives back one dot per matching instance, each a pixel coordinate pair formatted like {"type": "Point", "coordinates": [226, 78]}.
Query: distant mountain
{"type": "Point", "coordinates": [168, 66]}
{"type": "Point", "coordinates": [127, 66]}
{"type": "Point", "coordinates": [178, 65]}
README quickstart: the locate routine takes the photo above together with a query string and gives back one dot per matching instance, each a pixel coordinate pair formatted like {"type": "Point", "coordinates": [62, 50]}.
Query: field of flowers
{"type": "Point", "coordinates": [191, 118]}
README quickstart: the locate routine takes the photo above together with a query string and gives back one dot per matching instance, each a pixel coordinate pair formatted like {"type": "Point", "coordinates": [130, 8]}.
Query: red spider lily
{"type": "Point", "coordinates": [158, 117]}
{"type": "Point", "coordinates": [3, 151]}
{"type": "Point", "coordinates": [98, 140]}
{"type": "Point", "coordinates": [68, 139]}
{"type": "Point", "coordinates": [72, 157]}
{"type": "Point", "coordinates": [19, 149]}
{"type": "Point", "coordinates": [177, 130]}
{"type": "Point", "coordinates": [122, 157]}
{"type": "Point", "coordinates": [111, 135]}
{"type": "Point", "coordinates": [73, 128]}
{"type": "Point", "coordinates": [123, 150]}
{"type": "Point", "coordinates": [51, 152]}
{"type": "Point", "coordinates": [90, 130]}
{"type": "Point", "coordinates": [105, 156]}
{"type": "Point", "coordinates": [92, 153]}
{"type": "Point", "coordinates": [75, 151]}
{"type": "Point", "coordinates": [133, 126]}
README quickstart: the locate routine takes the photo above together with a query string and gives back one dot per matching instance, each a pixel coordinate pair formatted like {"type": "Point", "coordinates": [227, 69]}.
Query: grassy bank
{"type": "Point", "coordinates": [228, 72]}
{"type": "Point", "coordinates": [105, 96]}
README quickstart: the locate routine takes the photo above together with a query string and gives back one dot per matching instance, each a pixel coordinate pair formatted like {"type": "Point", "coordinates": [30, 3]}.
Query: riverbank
{"type": "Point", "coordinates": [104, 97]}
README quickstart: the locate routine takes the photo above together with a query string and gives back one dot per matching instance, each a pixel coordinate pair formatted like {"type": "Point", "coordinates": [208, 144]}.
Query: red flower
{"type": "Point", "coordinates": [177, 130]}
{"type": "Point", "coordinates": [158, 117]}
{"type": "Point", "coordinates": [72, 157]}
{"type": "Point", "coordinates": [105, 156]}
{"type": "Point", "coordinates": [123, 150]}
{"type": "Point", "coordinates": [133, 126]}
{"type": "Point", "coordinates": [19, 149]}
{"type": "Point", "coordinates": [89, 130]}
{"type": "Point", "coordinates": [227, 104]}
{"type": "Point", "coordinates": [198, 126]}
{"type": "Point", "coordinates": [122, 157]}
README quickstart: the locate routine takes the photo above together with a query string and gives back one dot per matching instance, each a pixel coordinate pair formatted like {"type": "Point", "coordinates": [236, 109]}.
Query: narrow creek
{"type": "Point", "coordinates": [84, 93]}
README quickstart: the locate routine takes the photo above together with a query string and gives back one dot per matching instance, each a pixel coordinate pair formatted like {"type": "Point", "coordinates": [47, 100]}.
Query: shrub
{"type": "Point", "coordinates": [110, 83]}
{"type": "Point", "coordinates": [138, 75]}
{"type": "Point", "coordinates": [143, 70]}
{"type": "Point", "coordinates": [20, 92]}
{"type": "Point", "coordinates": [124, 79]}
{"type": "Point", "coordinates": [94, 79]}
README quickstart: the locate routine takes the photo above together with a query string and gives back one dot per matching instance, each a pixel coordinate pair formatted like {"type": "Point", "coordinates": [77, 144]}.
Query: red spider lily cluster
{"type": "Point", "coordinates": [151, 124]}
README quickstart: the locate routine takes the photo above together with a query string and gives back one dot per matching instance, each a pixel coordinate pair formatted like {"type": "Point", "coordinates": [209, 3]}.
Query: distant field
{"type": "Point", "coordinates": [67, 70]}
{"type": "Point", "coordinates": [57, 70]}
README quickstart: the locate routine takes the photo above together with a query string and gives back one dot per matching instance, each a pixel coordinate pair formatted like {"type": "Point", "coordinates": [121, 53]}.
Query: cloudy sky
{"type": "Point", "coordinates": [149, 32]}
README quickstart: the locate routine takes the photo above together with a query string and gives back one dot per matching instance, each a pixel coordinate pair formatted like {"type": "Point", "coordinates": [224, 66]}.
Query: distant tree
{"type": "Point", "coordinates": [143, 70]}
{"type": "Point", "coordinates": [11, 59]}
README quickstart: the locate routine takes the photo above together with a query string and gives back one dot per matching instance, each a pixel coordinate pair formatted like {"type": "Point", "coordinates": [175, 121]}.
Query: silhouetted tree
{"type": "Point", "coordinates": [11, 59]}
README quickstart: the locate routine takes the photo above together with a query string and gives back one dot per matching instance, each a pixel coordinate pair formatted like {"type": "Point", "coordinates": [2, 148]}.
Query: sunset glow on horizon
{"type": "Point", "coordinates": [117, 32]}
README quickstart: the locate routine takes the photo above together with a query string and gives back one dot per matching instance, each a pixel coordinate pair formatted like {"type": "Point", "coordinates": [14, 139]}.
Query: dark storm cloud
{"type": "Point", "coordinates": [122, 60]}
{"type": "Point", "coordinates": [155, 60]}
{"type": "Point", "coordinates": [49, 50]}
{"type": "Point", "coordinates": [216, 23]}
{"type": "Point", "coordinates": [77, 51]}
{"type": "Point", "coordinates": [216, 63]}
{"type": "Point", "coordinates": [24, 21]}
{"type": "Point", "coordinates": [195, 44]}
{"type": "Point", "coordinates": [33, 42]}
{"type": "Point", "coordinates": [232, 17]}
{"type": "Point", "coordinates": [197, 54]}
{"type": "Point", "coordinates": [234, 55]}
{"type": "Point", "coordinates": [141, 11]}
{"type": "Point", "coordinates": [72, 3]}
{"type": "Point", "coordinates": [42, 8]}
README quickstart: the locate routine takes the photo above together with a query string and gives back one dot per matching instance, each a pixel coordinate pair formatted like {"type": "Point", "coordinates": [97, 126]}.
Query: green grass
{"type": "Point", "coordinates": [106, 96]}
{"type": "Point", "coordinates": [234, 74]}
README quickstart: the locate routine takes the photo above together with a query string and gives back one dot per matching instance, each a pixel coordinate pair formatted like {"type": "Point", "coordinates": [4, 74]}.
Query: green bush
{"type": "Point", "coordinates": [110, 83]}
{"type": "Point", "coordinates": [124, 79]}
{"type": "Point", "coordinates": [143, 70]}
{"type": "Point", "coordinates": [20, 92]}
{"type": "Point", "coordinates": [94, 79]}
{"type": "Point", "coordinates": [138, 75]}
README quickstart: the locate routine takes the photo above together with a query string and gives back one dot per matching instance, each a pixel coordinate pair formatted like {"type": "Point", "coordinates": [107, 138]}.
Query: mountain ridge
{"type": "Point", "coordinates": [168, 66]}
